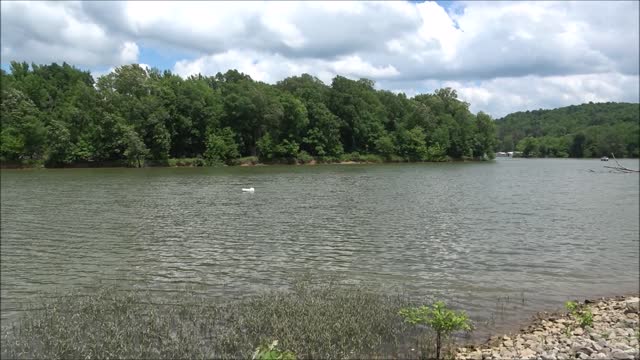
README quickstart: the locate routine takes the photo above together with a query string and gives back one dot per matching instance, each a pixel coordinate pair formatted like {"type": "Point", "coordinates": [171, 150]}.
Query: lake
{"type": "Point", "coordinates": [507, 237]}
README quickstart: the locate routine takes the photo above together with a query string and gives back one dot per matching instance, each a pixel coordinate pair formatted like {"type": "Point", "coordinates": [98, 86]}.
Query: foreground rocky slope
{"type": "Point", "coordinates": [614, 334]}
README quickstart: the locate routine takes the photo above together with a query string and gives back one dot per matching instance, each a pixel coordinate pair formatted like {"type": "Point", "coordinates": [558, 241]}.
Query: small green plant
{"type": "Point", "coordinates": [568, 330]}
{"type": "Point", "coordinates": [271, 352]}
{"type": "Point", "coordinates": [584, 316]}
{"type": "Point", "coordinates": [441, 319]}
{"type": "Point", "coordinates": [572, 306]}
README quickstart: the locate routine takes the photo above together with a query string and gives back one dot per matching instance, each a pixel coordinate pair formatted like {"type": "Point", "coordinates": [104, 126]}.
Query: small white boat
{"type": "Point", "coordinates": [604, 158]}
{"type": "Point", "coordinates": [248, 189]}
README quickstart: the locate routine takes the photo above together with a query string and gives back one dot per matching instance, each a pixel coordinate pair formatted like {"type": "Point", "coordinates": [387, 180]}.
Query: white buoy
{"type": "Point", "coordinates": [249, 189]}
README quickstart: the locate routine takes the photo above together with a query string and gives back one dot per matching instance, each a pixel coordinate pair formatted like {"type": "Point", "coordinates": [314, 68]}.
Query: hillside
{"type": "Point", "coordinates": [587, 130]}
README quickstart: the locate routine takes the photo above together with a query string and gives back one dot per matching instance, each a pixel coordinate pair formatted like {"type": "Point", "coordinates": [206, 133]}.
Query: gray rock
{"type": "Point", "coordinates": [548, 356]}
{"type": "Point", "coordinates": [527, 354]}
{"type": "Point", "coordinates": [621, 355]}
{"type": "Point", "coordinates": [578, 331]}
{"type": "Point", "coordinates": [581, 348]}
{"type": "Point", "coordinates": [476, 355]}
{"type": "Point", "coordinates": [603, 342]}
{"type": "Point", "coordinates": [633, 304]}
{"type": "Point", "coordinates": [596, 347]}
{"type": "Point", "coordinates": [623, 347]}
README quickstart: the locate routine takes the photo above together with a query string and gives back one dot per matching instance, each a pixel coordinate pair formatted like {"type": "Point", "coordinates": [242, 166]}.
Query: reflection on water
{"type": "Point", "coordinates": [542, 230]}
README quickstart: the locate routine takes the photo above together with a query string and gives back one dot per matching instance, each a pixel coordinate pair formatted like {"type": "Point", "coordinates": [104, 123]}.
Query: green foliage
{"type": "Point", "coordinates": [189, 162]}
{"type": "Point", "coordinates": [572, 306]}
{"type": "Point", "coordinates": [271, 352]}
{"type": "Point", "coordinates": [441, 319]}
{"type": "Point", "coordinates": [59, 115]}
{"type": "Point", "coordinates": [438, 316]}
{"type": "Point", "coordinates": [385, 146]}
{"type": "Point", "coordinates": [23, 134]}
{"type": "Point", "coordinates": [304, 157]}
{"type": "Point", "coordinates": [357, 157]}
{"type": "Point", "coordinates": [582, 314]}
{"type": "Point", "coordinates": [586, 318]}
{"type": "Point", "coordinates": [587, 130]}
{"type": "Point", "coordinates": [287, 149]}
{"type": "Point", "coordinates": [135, 150]}
{"type": "Point", "coordinates": [221, 147]}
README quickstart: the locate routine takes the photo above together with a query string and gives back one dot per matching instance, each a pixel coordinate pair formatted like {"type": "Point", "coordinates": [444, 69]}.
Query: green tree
{"type": "Point", "coordinates": [135, 150]}
{"type": "Point", "coordinates": [413, 144]}
{"type": "Point", "coordinates": [59, 144]}
{"type": "Point", "coordinates": [221, 146]}
{"type": "Point", "coordinates": [23, 134]}
{"type": "Point", "coordinates": [385, 146]}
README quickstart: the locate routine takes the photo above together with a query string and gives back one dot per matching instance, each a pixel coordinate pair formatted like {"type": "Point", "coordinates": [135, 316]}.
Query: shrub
{"type": "Point", "coordinates": [441, 319]}
{"type": "Point", "coordinates": [304, 157]}
{"type": "Point", "coordinates": [582, 315]}
{"type": "Point", "coordinates": [271, 352]}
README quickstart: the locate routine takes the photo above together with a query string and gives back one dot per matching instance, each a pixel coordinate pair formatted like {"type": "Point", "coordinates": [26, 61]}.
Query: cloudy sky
{"type": "Point", "coordinates": [499, 56]}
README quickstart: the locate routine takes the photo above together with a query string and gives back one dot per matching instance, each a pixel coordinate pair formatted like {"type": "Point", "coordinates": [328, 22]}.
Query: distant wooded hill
{"type": "Point", "coordinates": [587, 130]}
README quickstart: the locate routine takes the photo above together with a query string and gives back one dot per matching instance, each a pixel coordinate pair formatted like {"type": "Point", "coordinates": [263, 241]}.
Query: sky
{"type": "Point", "coordinates": [500, 57]}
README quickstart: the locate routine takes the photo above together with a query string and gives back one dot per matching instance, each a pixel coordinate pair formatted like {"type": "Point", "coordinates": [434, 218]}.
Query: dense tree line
{"type": "Point", "coordinates": [58, 114]}
{"type": "Point", "coordinates": [580, 131]}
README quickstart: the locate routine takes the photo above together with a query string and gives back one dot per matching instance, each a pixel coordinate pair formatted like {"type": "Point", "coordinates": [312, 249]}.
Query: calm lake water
{"type": "Point", "coordinates": [542, 231]}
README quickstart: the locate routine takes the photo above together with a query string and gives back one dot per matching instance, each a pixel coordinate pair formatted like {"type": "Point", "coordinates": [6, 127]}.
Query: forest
{"type": "Point", "coordinates": [59, 115]}
{"type": "Point", "coordinates": [577, 131]}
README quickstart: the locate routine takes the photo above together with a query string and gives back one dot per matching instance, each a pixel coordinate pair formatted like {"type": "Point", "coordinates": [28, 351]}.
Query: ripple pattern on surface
{"type": "Point", "coordinates": [469, 233]}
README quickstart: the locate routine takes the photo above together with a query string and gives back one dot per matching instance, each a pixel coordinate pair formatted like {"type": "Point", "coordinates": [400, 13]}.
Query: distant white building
{"type": "Point", "coordinates": [509, 154]}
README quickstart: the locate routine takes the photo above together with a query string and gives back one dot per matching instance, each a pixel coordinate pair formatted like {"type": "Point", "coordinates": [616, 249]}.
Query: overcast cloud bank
{"type": "Point", "coordinates": [500, 56]}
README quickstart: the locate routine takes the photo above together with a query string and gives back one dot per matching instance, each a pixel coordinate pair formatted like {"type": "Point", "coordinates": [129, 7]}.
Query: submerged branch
{"type": "Point", "coordinates": [620, 167]}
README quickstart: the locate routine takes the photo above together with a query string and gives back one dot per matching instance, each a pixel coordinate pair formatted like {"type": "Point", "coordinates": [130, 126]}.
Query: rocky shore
{"type": "Point", "coordinates": [613, 334]}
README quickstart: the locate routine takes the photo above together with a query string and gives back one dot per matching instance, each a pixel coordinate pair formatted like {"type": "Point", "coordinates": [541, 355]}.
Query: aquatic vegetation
{"type": "Point", "coordinates": [311, 321]}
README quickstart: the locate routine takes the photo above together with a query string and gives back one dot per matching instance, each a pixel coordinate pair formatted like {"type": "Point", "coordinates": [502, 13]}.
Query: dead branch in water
{"type": "Point", "coordinates": [620, 167]}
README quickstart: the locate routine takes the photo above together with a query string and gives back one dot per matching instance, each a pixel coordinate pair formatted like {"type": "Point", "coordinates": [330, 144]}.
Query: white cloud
{"type": "Point", "coordinates": [274, 67]}
{"type": "Point", "coordinates": [504, 95]}
{"type": "Point", "coordinates": [44, 32]}
{"type": "Point", "coordinates": [129, 52]}
{"type": "Point", "coordinates": [502, 56]}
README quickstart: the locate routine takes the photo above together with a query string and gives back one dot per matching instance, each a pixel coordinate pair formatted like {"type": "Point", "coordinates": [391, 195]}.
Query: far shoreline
{"type": "Point", "coordinates": [192, 163]}
{"type": "Point", "coordinates": [253, 162]}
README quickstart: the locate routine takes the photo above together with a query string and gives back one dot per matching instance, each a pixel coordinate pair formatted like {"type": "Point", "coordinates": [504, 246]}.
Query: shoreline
{"type": "Point", "coordinates": [559, 335]}
{"type": "Point", "coordinates": [241, 164]}
{"type": "Point", "coordinates": [554, 335]}
{"type": "Point", "coordinates": [250, 162]}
